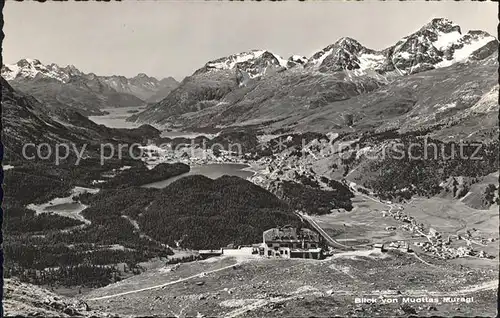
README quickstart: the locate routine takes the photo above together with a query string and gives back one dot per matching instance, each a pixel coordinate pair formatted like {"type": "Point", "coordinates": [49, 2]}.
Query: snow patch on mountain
{"type": "Point", "coordinates": [9, 72]}
{"type": "Point", "coordinates": [442, 108]}
{"type": "Point", "coordinates": [487, 103]}
{"type": "Point", "coordinates": [298, 59]}
{"type": "Point", "coordinates": [281, 61]}
{"type": "Point", "coordinates": [370, 61]}
{"type": "Point", "coordinates": [463, 53]}
{"type": "Point", "coordinates": [317, 59]}
{"type": "Point", "coordinates": [445, 40]}
{"type": "Point", "coordinates": [249, 58]}
{"type": "Point", "coordinates": [231, 61]}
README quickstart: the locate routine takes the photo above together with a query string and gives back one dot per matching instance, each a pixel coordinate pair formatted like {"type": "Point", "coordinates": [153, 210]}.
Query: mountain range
{"type": "Point", "coordinates": [436, 76]}
{"type": "Point", "coordinates": [61, 87]}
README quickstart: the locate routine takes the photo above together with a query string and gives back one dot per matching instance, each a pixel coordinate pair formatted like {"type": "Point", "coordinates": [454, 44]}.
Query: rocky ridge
{"type": "Point", "coordinates": [27, 300]}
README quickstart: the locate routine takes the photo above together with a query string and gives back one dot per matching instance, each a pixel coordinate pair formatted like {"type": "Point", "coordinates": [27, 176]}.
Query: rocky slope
{"type": "Point", "coordinates": [26, 120]}
{"type": "Point", "coordinates": [456, 102]}
{"type": "Point", "coordinates": [343, 79]}
{"type": "Point", "coordinates": [60, 87]}
{"type": "Point", "coordinates": [27, 300]}
{"type": "Point", "coordinates": [477, 193]}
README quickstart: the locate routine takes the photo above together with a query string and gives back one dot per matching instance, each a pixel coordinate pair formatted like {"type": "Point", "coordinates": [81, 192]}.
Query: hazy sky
{"type": "Point", "coordinates": [167, 38]}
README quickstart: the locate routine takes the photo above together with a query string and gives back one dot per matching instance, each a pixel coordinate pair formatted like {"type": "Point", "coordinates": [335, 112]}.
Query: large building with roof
{"type": "Point", "coordinates": [290, 242]}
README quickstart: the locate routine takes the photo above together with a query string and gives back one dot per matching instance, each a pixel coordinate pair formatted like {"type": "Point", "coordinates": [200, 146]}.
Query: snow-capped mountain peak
{"type": "Point", "coordinates": [144, 80]}
{"type": "Point", "coordinates": [282, 62]}
{"type": "Point", "coordinates": [349, 44]}
{"type": "Point", "coordinates": [232, 61]}
{"type": "Point", "coordinates": [254, 63]}
{"type": "Point", "coordinates": [346, 54]}
{"type": "Point", "coordinates": [70, 69]}
{"type": "Point", "coordinates": [31, 68]}
{"type": "Point", "coordinates": [439, 43]}
{"type": "Point", "coordinates": [142, 76]}
{"type": "Point", "coordinates": [442, 25]}
{"type": "Point", "coordinates": [28, 61]}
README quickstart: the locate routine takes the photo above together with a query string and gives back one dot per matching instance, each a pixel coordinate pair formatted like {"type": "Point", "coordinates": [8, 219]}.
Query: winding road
{"type": "Point", "coordinates": [165, 284]}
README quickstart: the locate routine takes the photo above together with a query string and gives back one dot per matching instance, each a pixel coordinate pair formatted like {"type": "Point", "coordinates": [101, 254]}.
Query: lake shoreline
{"type": "Point", "coordinates": [116, 117]}
{"type": "Point", "coordinates": [208, 170]}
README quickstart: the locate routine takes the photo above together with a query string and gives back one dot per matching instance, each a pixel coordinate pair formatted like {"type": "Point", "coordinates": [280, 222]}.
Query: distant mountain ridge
{"type": "Point", "coordinates": [145, 87]}
{"type": "Point", "coordinates": [164, 87]}
{"type": "Point", "coordinates": [88, 93]}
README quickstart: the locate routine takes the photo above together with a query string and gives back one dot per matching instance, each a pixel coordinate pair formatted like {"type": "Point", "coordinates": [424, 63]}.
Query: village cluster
{"type": "Point", "coordinates": [188, 154]}
{"type": "Point", "coordinates": [435, 243]}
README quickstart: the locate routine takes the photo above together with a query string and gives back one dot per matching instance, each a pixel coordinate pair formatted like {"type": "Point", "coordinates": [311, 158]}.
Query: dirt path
{"type": "Point", "coordinates": [263, 302]}
{"type": "Point", "coordinates": [142, 234]}
{"type": "Point", "coordinates": [479, 287]}
{"type": "Point", "coordinates": [420, 259]}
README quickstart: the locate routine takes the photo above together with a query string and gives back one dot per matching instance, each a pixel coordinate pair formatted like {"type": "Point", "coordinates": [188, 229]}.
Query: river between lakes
{"type": "Point", "coordinates": [117, 119]}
